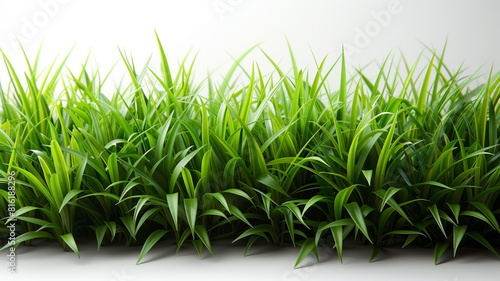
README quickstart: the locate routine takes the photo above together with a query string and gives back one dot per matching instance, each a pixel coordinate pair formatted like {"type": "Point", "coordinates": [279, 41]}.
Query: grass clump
{"type": "Point", "coordinates": [410, 157]}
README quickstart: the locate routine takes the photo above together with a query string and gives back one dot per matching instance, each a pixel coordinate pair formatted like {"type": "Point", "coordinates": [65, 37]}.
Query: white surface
{"type": "Point", "coordinates": [263, 262]}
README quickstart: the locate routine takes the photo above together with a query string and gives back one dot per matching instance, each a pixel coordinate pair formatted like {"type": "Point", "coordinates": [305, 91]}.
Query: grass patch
{"type": "Point", "coordinates": [410, 157]}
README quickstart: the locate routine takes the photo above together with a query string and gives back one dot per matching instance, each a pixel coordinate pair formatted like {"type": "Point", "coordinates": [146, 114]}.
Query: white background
{"type": "Point", "coordinates": [216, 29]}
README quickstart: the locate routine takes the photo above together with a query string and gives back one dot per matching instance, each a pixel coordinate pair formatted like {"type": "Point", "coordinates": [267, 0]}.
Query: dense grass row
{"type": "Point", "coordinates": [410, 157]}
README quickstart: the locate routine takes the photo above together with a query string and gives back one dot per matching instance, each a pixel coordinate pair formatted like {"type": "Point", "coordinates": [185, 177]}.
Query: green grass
{"type": "Point", "coordinates": [410, 157]}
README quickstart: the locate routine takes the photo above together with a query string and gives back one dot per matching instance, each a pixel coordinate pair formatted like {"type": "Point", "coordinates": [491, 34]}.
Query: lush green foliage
{"type": "Point", "coordinates": [410, 157]}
